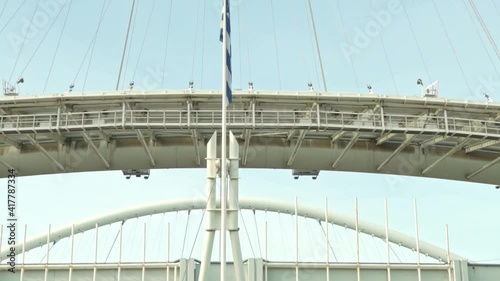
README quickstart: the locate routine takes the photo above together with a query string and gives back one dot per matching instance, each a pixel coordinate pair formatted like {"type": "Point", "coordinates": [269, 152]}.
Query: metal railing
{"type": "Point", "coordinates": [151, 119]}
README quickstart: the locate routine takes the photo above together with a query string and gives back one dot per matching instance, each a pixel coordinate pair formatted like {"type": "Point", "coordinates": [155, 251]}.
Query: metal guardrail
{"type": "Point", "coordinates": [151, 119]}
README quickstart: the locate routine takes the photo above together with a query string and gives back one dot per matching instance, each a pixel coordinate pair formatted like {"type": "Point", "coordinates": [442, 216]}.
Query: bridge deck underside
{"type": "Point", "coordinates": [374, 134]}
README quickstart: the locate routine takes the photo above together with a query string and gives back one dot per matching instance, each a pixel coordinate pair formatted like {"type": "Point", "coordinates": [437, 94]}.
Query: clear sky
{"type": "Point", "coordinates": [361, 42]}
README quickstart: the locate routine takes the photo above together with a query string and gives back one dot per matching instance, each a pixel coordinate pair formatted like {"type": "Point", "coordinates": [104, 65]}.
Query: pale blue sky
{"type": "Point", "coordinates": [472, 210]}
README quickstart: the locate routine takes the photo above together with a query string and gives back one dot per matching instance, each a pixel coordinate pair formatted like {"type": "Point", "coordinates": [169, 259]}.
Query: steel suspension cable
{"type": "Point", "coordinates": [24, 41]}
{"type": "Point", "coordinates": [453, 49]}
{"type": "Point", "coordinates": [105, 8]}
{"type": "Point", "coordinates": [185, 233]}
{"type": "Point", "coordinates": [203, 44]}
{"type": "Point", "coordinates": [387, 56]}
{"type": "Point", "coordinates": [114, 242]}
{"type": "Point", "coordinates": [311, 40]}
{"type": "Point", "coordinates": [329, 244]}
{"type": "Point", "coordinates": [13, 15]}
{"type": "Point", "coordinates": [302, 50]}
{"type": "Point", "coordinates": [57, 46]}
{"type": "Point", "coordinates": [276, 44]}
{"type": "Point", "coordinates": [195, 37]}
{"type": "Point", "coordinates": [317, 47]}
{"type": "Point", "coordinates": [348, 45]}
{"type": "Point", "coordinates": [3, 8]}
{"type": "Point", "coordinates": [416, 41]}
{"type": "Point", "coordinates": [239, 45]}
{"type": "Point", "coordinates": [482, 40]}
{"type": "Point", "coordinates": [257, 232]}
{"type": "Point", "coordinates": [134, 21]}
{"type": "Point", "coordinates": [91, 56]}
{"type": "Point", "coordinates": [125, 45]}
{"type": "Point", "coordinates": [42, 40]}
{"type": "Point", "coordinates": [496, 7]}
{"type": "Point", "coordinates": [245, 25]}
{"type": "Point", "coordinates": [248, 236]}
{"type": "Point", "coordinates": [144, 39]}
{"type": "Point", "coordinates": [485, 28]}
{"type": "Point", "coordinates": [166, 43]}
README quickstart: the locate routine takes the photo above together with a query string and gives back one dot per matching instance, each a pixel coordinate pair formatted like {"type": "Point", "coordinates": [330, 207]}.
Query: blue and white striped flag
{"type": "Point", "coordinates": [229, 75]}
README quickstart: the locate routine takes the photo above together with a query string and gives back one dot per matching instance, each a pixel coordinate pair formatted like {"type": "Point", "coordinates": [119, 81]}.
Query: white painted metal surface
{"type": "Point", "coordinates": [431, 137]}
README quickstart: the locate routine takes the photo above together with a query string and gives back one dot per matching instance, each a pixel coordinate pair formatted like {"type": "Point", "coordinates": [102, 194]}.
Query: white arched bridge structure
{"type": "Point", "coordinates": [439, 264]}
{"type": "Point", "coordinates": [401, 135]}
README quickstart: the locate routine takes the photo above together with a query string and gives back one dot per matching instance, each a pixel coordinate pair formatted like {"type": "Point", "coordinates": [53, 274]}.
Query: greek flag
{"type": "Point", "coordinates": [229, 79]}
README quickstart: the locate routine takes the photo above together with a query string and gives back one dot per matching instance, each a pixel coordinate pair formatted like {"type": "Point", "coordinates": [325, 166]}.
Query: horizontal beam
{"type": "Point", "coordinates": [433, 141]}
{"type": "Point", "coordinates": [385, 138]}
{"type": "Point", "coordinates": [335, 137]}
{"type": "Point", "coordinates": [481, 145]}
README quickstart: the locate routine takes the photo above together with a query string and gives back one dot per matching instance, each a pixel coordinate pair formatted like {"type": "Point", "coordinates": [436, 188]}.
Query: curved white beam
{"type": "Point", "coordinates": [259, 204]}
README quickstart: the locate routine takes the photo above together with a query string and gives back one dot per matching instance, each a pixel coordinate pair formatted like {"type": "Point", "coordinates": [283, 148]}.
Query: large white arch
{"type": "Point", "coordinates": [259, 204]}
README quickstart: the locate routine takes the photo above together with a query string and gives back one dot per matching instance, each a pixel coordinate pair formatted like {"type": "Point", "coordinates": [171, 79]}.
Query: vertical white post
{"type": "Point", "coordinates": [234, 207]}
{"type": "Point", "coordinates": [267, 258]}
{"type": "Point", "coordinates": [327, 242]}
{"type": "Point", "coordinates": [448, 255]}
{"type": "Point", "coordinates": [1, 236]}
{"type": "Point", "coordinates": [296, 240]}
{"type": "Point", "coordinates": [71, 252]}
{"type": "Point", "coordinates": [95, 251]}
{"type": "Point", "coordinates": [24, 252]}
{"type": "Point", "coordinates": [211, 221]}
{"type": "Point", "coordinates": [223, 196]}
{"type": "Point", "coordinates": [419, 271]}
{"type": "Point", "coordinates": [120, 253]}
{"type": "Point", "coordinates": [175, 273]}
{"type": "Point", "coordinates": [168, 253]}
{"type": "Point", "coordinates": [48, 253]}
{"type": "Point", "coordinates": [387, 241]}
{"type": "Point", "coordinates": [358, 269]}
{"type": "Point", "coordinates": [144, 255]}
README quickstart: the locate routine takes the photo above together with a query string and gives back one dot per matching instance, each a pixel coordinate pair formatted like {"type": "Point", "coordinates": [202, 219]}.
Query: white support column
{"type": "Point", "coordinates": [144, 255]}
{"type": "Point", "coordinates": [24, 252]}
{"type": "Point", "coordinates": [417, 242]}
{"type": "Point", "coordinates": [95, 253]}
{"type": "Point", "coordinates": [47, 256]}
{"type": "Point", "coordinates": [234, 207]}
{"type": "Point", "coordinates": [168, 253]}
{"type": "Point", "coordinates": [212, 214]}
{"type": "Point", "coordinates": [120, 244]}
{"type": "Point", "coordinates": [358, 269]}
{"type": "Point", "coordinates": [296, 240]}
{"type": "Point", "coordinates": [266, 253]}
{"type": "Point", "coordinates": [327, 247]}
{"type": "Point", "coordinates": [448, 258]}
{"type": "Point", "coordinates": [71, 252]}
{"type": "Point", "coordinates": [387, 241]}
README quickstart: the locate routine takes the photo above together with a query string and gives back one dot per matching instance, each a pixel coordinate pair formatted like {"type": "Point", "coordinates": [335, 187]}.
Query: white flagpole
{"type": "Point", "coordinates": [223, 157]}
